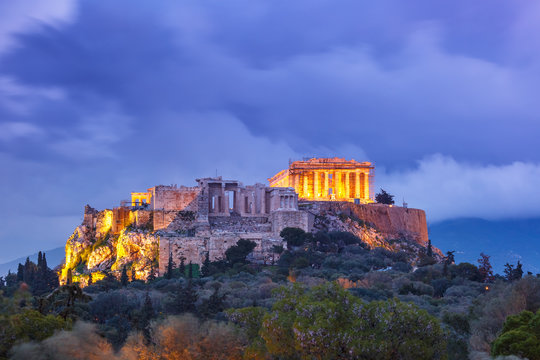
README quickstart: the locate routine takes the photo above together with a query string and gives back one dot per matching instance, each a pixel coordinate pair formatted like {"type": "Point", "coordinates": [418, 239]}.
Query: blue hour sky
{"type": "Point", "coordinates": [99, 98]}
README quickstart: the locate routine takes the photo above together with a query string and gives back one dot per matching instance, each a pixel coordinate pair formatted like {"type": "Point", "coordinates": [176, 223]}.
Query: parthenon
{"type": "Point", "coordinates": [327, 179]}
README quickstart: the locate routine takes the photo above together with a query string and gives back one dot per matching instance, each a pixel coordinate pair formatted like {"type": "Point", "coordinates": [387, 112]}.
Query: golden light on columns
{"type": "Point", "coordinates": [327, 179]}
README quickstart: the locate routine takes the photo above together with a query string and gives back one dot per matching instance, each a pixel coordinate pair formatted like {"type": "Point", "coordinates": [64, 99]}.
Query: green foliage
{"type": "Point", "coordinates": [239, 252]}
{"type": "Point", "coordinates": [293, 236]}
{"type": "Point", "coordinates": [28, 325]}
{"type": "Point", "coordinates": [327, 322]}
{"type": "Point", "coordinates": [205, 270]}
{"type": "Point", "coordinates": [520, 336]}
{"type": "Point", "coordinates": [384, 198]}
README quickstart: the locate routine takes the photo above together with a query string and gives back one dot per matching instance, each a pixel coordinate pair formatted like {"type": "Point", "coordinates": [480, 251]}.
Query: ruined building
{"type": "Point", "coordinates": [328, 179]}
{"type": "Point", "coordinates": [192, 222]}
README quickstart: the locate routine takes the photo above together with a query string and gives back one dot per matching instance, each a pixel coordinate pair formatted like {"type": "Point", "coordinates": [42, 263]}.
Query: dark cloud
{"type": "Point", "coordinates": [100, 98]}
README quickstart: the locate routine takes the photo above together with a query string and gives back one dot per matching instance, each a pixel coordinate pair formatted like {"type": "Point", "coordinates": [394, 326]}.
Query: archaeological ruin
{"type": "Point", "coordinates": [328, 179]}
{"type": "Point", "coordinates": [191, 223]}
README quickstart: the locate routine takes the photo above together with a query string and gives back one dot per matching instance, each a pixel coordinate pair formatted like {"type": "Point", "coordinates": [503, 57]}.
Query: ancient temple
{"type": "Point", "coordinates": [327, 179]}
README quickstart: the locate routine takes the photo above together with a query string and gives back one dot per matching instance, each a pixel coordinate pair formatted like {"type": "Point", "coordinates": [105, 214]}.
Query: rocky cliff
{"type": "Point", "coordinates": [109, 240]}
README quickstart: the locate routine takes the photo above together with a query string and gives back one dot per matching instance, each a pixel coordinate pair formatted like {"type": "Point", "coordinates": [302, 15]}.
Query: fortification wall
{"type": "Point", "coordinates": [169, 198]}
{"type": "Point", "coordinates": [393, 221]}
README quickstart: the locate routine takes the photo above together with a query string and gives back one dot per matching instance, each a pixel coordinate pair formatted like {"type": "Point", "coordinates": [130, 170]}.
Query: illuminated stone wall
{"type": "Point", "coordinates": [332, 179]}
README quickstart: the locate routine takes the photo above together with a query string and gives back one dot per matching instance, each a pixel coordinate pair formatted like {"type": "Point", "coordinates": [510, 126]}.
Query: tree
{"type": "Point", "coordinates": [182, 268]}
{"type": "Point", "coordinates": [205, 269]}
{"type": "Point", "coordinates": [190, 271]}
{"type": "Point", "coordinates": [327, 322]}
{"type": "Point", "coordinates": [184, 300]}
{"type": "Point", "coordinates": [276, 249]}
{"type": "Point", "coordinates": [384, 198]}
{"type": "Point", "coordinates": [238, 253]}
{"type": "Point", "coordinates": [485, 268]}
{"type": "Point", "coordinates": [124, 277]}
{"type": "Point", "coordinates": [519, 336]}
{"type": "Point", "coordinates": [293, 236]}
{"type": "Point", "coordinates": [170, 267]}
{"type": "Point", "coordinates": [214, 304]}
{"type": "Point", "coordinates": [147, 314]}
{"type": "Point", "coordinates": [69, 277]}
{"type": "Point", "coordinates": [512, 273]}
{"type": "Point", "coordinates": [429, 252]}
{"type": "Point", "coordinates": [152, 275]}
{"type": "Point", "coordinates": [20, 272]}
{"type": "Point", "coordinates": [518, 272]}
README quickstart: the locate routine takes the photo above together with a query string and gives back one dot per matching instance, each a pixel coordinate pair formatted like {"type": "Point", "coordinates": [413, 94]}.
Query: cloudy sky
{"type": "Point", "coordinates": [99, 98]}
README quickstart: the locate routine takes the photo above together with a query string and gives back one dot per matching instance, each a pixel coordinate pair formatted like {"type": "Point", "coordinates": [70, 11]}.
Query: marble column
{"type": "Point", "coordinates": [357, 194]}
{"type": "Point", "coordinates": [305, 191]}
{"type": "Point", "coordinates": [316, 186]}
{"type": "Point", "coordinates": [366, 186]}
{"type": "Point", "coordinates": [325, 194]}
{"type": "Point", "coordinates": [347, 185]}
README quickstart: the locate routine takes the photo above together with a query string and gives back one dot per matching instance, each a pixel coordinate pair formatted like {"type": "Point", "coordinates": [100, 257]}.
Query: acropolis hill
{"type": "Point", "coordinates": [191, 222]}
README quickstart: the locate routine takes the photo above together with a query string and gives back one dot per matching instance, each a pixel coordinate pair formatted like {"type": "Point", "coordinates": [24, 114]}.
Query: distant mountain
{"type": "Point", "coordinates": [504, 240]}
{"type": "Point", "coordinates": [54, 258]}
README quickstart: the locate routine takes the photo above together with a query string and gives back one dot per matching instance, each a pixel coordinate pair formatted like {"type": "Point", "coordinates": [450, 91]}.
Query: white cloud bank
{"type": "Point", "coordinates": [449, 189]}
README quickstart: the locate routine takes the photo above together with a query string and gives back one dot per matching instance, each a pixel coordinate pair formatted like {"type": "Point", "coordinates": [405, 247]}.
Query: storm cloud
{"type": "Point", "coordinates": [100, 98]}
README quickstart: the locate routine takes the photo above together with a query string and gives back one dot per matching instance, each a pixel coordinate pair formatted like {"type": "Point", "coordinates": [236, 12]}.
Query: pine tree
{"type": "Point", "coordinates": [170, 267]}
{"type": "Point", "coordinates": [205, 269]}
{"type": "Point", "coordinates": [509, 271]}
{"type": "Point", "coordinates": [124, 277]}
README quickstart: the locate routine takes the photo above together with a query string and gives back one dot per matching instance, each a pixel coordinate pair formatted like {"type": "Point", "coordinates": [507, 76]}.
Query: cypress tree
{"type": "Point", "coordinates": [20, 272]}
{"type": "Point", "coordinates": [133, 278]}
{"type": "Point", "coordinates": [190, 271]}
{"type": "Point", "coordinates": [69, 277]}
{"type": "Point", "coordinates": [124, 277]}
{"type": "Point", "coordinates": [185, 299]}
{"type": "Point", "coordinates": [90, 280]}
{"type": "Point", "coordinates": [429, 249]}
{"type": "Point", "coordinates": [170, 267]}
{"type": "Point", "coordinates": [44, 265]}
{"type": "Point", "coordinates": [205, 269]}
{"type": "Point", "coordinates": [147, 314]}
{"type": "Point", "coordinates": [152, 275]}
{"type": "Point", "coordinates": [182, 267]}
{"type": "Point", "coordinates": [39, 260]}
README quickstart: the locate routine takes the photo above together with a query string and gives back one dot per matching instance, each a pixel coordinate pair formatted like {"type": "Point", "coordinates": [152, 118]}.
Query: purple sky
{"type": "Point", "coordinates": [99, 98]}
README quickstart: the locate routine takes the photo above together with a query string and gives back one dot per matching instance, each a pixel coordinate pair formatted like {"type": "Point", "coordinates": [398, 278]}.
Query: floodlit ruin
{"type": "Point", "coordinates": [328, 179]}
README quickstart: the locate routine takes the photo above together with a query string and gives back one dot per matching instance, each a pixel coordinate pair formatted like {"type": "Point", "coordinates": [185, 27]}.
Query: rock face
{"type": "Point", "coordinates": [392, 222]}
{"type": "Point", "coordinates": [94, 249]}
{"type": "Point", "coordinates": [109, 240]}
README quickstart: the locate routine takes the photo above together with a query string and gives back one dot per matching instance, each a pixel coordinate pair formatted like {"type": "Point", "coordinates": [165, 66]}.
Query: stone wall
{"type": "Point", "coordinates": [194, 249]}
{"type": "Point", "coordinates": [169, 198]}
{"type": "Point", "coordinates": [283, 219]}
{"type": "Point", "coordinates": [393, 221]}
